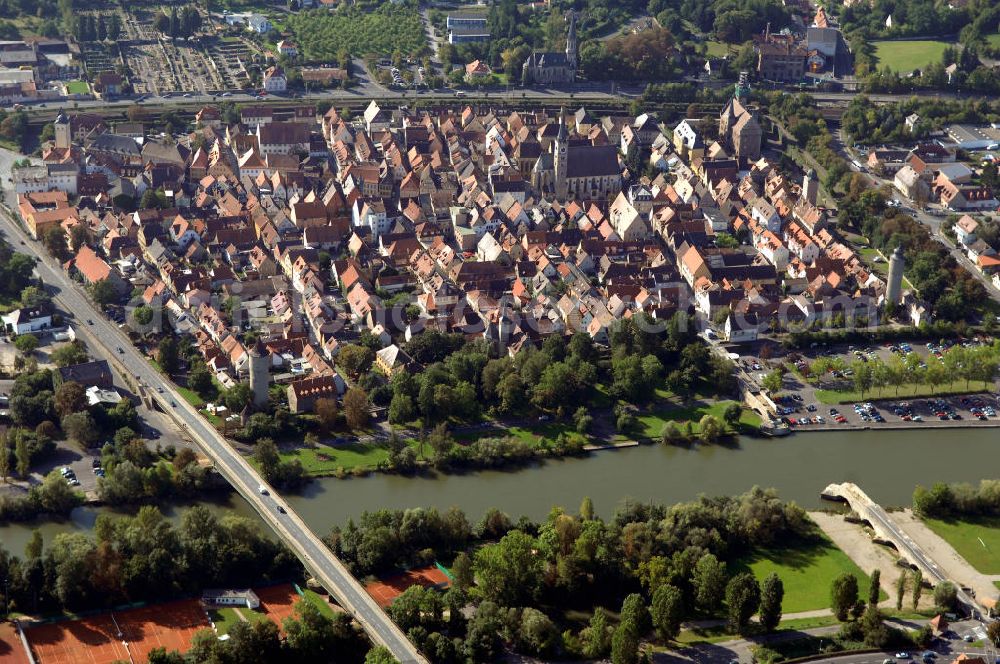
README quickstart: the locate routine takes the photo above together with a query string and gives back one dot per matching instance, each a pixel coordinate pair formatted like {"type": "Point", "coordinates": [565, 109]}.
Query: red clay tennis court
{"type": "Point", "coordinates": [171, 626]}
{"type": "Point", "coordinates": [385, 590]}
{"type": "Point", "coordinates": [11, 650]}
{"type": "Point", "coordinates": [278, 602]}
{"type": "Point", "coordinates": [88, 641]}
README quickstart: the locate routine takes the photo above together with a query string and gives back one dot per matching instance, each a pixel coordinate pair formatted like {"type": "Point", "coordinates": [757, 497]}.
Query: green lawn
{"type": "Point", "coordinates": [911, 390]}
{"type": "Point", "coordinates": [535, 436]}
{"type": "Point", "coordinates": [651, 423]}
{"type": "Point", "coordinates": [806, 572]}
{"type": "Point", "coordinates": [226, 617]}
{"type": "Point", "coordinates": [77, 88]}
{"type": "Point", "coordinates": [326, 459]}
{"type": "Point", "coordinates": [975, 539]}
{"type": "Point", "coordinates": [994, 40]}
{"type": "Point", "coordinates": [716, 49]}
{"type": "Point", "coordinates": [905, 56]}
{"type": "Point", "coordinates": [315, 598]}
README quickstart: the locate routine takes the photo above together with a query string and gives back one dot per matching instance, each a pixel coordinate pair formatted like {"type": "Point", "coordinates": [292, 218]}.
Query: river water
{"type": "Point", "coordinates": [886, 464]}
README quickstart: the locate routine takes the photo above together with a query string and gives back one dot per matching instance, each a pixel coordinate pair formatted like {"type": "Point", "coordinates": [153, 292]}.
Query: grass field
{"type": "Point", "coordinates": [976, 540]}
{"type": "Point", "coordinates": [994, 40]}
{"type": "Point", "coordinates": [905, 56]}
{"type": "Point", "coordinates": [326, 459]}
{"type": "Point", "coordinates": [806, 572]}
{"type": "Point", "coordinates": [77, 88]}
{"type": "Point", "coordinates": [716, 49]}
{"type": "Point", "coordinates": [651, 424]}
{"type": "Point", "coordinates": [225, 617]}
{"type": "Point", "coordinates": [324, 606]}
{"type": "Point", "coordinates": [912, 390]}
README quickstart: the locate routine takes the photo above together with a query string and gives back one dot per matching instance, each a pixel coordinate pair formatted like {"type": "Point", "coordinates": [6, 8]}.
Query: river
{"type": "Point", "coordinates": [886, 464]}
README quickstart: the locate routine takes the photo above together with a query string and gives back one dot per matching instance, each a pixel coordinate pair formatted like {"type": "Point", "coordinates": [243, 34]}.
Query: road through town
{"type": "Point", "coordinates": [105, 340]}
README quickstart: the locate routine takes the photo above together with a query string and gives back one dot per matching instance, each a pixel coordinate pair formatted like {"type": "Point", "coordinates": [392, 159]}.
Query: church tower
{"type": "Point", "coordinates": [559, 157]}
{"type": "Point", "coordinates": [572, 46]}
{"type": "Point", "coordinates": [63, 133]}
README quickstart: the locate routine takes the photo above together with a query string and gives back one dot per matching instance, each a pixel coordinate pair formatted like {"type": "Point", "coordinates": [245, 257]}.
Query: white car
{"type": "Point", "coordinates": [262, 489]}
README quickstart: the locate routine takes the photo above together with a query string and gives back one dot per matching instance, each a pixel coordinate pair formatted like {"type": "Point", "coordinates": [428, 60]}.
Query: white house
{"type": "Point", "coordinates": [245, 598]}
{"type": "Point", "coordinates": [371, 214]}
{"type": "Point", "coordinates": [25, 320]}
{"type": "Point", "coordinates": [965, 229]}
{"type": "Point", "coordinates": [259, 24]}
{"type": "Point", "coordinates": [275, 79]}
{"type": "Point", "coordinates": [741, 328]}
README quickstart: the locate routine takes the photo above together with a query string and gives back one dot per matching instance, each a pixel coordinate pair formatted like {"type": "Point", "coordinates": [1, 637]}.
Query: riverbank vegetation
{"type": "Point", "coordinates": [575, 585]}
{"type": "Point", "coordinates": [141, 557]}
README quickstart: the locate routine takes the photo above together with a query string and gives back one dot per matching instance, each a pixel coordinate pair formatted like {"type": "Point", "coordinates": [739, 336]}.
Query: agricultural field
{"type": "Point", "coordinates": [390, 28]}
{"type": "Point", "coordinates": [905, 56]}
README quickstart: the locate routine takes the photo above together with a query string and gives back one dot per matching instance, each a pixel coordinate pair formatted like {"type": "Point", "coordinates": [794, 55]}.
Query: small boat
{"type": "Point", "coordinates": [775, 429]}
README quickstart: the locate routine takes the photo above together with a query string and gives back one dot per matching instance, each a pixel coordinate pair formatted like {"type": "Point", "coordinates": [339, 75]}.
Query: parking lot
{"type": "Point", "coordinates": [801, 400]}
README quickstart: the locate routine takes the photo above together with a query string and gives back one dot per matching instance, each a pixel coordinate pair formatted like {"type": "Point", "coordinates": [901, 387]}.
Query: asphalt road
{"type": "Point", "coordinates": [105, 340]}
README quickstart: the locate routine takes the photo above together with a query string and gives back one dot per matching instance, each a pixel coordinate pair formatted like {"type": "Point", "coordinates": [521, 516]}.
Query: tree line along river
{"type": "Point", "coordinates": [886, 464]}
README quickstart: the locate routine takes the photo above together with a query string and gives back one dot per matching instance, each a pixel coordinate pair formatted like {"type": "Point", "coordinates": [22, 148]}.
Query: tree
{"type": "Point", "coordinates": [143, 315]}
{"type": "Point", "coordinates": [709, 582]}
{"type": "Point", "coordinates": [597, 636]}
{"type": "Point", "coordinates": [874, 589]}
{"type": "Point", "coordinates": [326, 412]}
{"type": "Point", "coordinates": [667, 611]}
{"type": "Point", "coordinates": [625, 645]}
{"type": "Point", "coordinates": [356, 408]}
{"type": "Point", "coordinates": [946, 596]}
{"type": "Point", "coordinates": [355, 359]}
{"type": "Point", "coordinates": [993, 632]}
{"type": "Point", "coordinates": [401, 409]}
{"type": "Point", "coordinates": [22, 456]}
{"type": "Point", "coordinates": [872, 626]}
{"type": "Point", "coordinates": [508, 572]}
{"type": "Point", "coordinates": [537, 634]}
{"type": "Point", "coordinates": [732, 415]}
{"type": "Point", "coordinates": [266, 455]}
{"type": "Point", "coordinates": [200, 379]}
{"type": "Point", "coordinates": [635, 612]}
{"type": "Point", "coordinates": [103, 292]}
{"type": "Point", "coordinates": [710, 428]}
{"type": "Point", "coordinates": [54, 240]}
{"type": "Point", "coordinates": [843, 595]}
{"type": "Point", "coordinates": [900, 590]}
{"type": "Point", "coordinates": [35, 296]}
{"type": "Point", "coordinates": [671, 434]}
{"type": "Point", "coordinates": [69, 398]}
{"type": "Point", "coordinates": [743, 599]}
{"type": "Point", "coordinates": [463, 572]}
{"type": "Point", "coordinates": [168, 355]}
{"type": "Point", "coordinates": [918, 587]}
{"type": "Point", "coordinates": [80, 428]}
{"type": "Point", "coordinates": [69, 354]}
{"type": "Point", "coordinates": [587, 509]}
{"type": "Point", "coordinates": [380, 655]}
{"type": "Point", "coordinates": [772, 593]}
{"type": "Point", "coordinates": [4, 456]}
{"type": "Point", "coordinates": [26, 343]}
{"type": "Point", "coordinates": [772, 381]}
